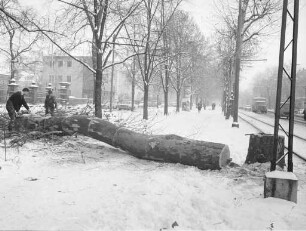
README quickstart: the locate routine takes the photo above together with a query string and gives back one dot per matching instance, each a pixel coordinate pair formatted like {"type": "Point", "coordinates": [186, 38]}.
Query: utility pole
{"type": "Point", "coordinates": [237, 64]}
{"type": "Point", "coordinates": [292, 78]}
{"type": "Point", "coordinates": [112, 78]}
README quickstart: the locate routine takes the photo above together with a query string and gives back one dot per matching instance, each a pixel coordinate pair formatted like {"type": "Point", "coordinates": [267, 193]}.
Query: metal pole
{"type": "Point", "coordinates": [293, 84]}
{"type": "Point", "coordinates": [279, 84]}
{"type": "Point", "coordinates": [237, 65]}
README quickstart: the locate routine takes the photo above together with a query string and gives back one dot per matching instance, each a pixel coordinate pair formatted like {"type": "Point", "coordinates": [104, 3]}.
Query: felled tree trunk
{"type": "Point", "coordinates": [165, 148]}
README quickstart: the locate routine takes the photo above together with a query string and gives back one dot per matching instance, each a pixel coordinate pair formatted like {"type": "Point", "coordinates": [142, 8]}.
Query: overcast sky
{"type": "Point", "coordinates": [203, 12]}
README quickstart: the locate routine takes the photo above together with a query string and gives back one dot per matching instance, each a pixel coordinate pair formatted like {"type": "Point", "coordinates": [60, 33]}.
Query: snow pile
{"type": "Point", "coordinates": [80, 183]}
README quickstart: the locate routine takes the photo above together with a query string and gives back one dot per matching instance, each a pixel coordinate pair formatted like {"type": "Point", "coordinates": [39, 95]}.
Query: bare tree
{"type": "Point", "coordinates": [100, 18]}
{"type": "Point", "coordinates": [258, 19]}
{"type": "Point", "coordinates": [19, 41]}
{"type": "Point", "coordinates": [183, 33]}
{"type": "Point", "coordinates": [166, 13]}
{"type": "Point", "coordinates": [147, 44]}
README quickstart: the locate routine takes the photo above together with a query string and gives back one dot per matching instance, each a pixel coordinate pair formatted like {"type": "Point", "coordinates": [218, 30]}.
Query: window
{"type": "Point", "coordinates": [69, 63]}
{"type": "Point", "coordinates": [60, 63]}
{"type": "Point", "coordinates": [60, 78]}
{"type": "Point", "coordinates": [68, 78]}
{"type": "Point", "coordinates": [51, 63]}
{"type": "Point", "coordinates": [51, 79]}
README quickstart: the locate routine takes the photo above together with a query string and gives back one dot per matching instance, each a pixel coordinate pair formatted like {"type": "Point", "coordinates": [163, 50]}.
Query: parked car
{"type": "Point", "coordinates": [248, 108]}
{"type": "Point", "coordinates": [124, 106]}
{"type": "Point", "coordinates": [285, 110]}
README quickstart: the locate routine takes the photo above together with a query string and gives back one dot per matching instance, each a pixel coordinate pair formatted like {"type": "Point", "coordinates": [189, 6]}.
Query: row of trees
{"type": "Point", "coordinates": [258, 19]}
{"type": "Point", "coordinates": [159, 44]}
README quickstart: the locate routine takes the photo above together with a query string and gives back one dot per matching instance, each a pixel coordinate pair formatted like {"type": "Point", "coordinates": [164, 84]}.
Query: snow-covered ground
{"type": "Point", "coordinates": [80, 183]}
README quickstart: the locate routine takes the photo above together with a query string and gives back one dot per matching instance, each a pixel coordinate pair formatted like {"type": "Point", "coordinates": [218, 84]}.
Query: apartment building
{"type": "Point", "coordinates": [57, 69]}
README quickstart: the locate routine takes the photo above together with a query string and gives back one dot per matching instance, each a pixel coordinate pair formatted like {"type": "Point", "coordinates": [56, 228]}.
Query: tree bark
{"type": "Point", "coordinates": [98, 83]}
{"type": "Point", "coordinates": [145, 101]}
{"type": "Point", "coordinates": [165, 148]}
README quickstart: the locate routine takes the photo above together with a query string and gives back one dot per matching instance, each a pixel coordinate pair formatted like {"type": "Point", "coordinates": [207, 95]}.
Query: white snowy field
{"type": "Point", "coordinates": [77, 183]}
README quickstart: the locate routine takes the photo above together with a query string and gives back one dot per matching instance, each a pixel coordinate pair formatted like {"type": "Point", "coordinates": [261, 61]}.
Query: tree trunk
{"type": "Point", "coordinates": [166, 90]}
{"type": "Point", "coordinates": [178, 95]}
{"type": "Point", "coordinates": [112, 78]}
{"type": "Point", "coordinates": [133, 93]}
{"type": "Point", "coordinates": [166, 148]}
{"type": "Point", "coordinates": [133, 83]}
{"type": "Point", "coordinates": [145, 101]}
{"type": "Point", "coordinates": [166, 102]}
{"type": "Point", "coordinates": [94, 54]}
{"type": "Point", "coordinates": [98, 83]}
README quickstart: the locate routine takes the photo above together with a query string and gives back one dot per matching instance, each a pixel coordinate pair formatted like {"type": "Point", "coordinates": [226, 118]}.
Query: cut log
{"type": "Point", "coordinates": [165, 148]}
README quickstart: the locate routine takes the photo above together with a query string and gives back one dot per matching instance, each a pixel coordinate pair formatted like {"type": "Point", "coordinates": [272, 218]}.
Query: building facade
{"type": "Point", "coordinates": [4, 81]}
{"type": "Point", "coordinates": [58, 69]}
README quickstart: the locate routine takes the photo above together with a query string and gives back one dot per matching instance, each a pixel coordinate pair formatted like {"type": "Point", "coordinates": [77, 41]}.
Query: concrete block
{"type": "Point", "coordinates": [281, 185]}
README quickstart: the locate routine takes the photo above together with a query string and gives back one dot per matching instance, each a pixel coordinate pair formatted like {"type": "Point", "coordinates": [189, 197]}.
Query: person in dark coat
{"type": "Point", "coordinates": [199, 106]}
{"type": "Point", "coordinates": [14, 104]}
{"type": "Point", "coordinates": [304, 112]}
{"type": "Point", "coordinates": [50, 103]}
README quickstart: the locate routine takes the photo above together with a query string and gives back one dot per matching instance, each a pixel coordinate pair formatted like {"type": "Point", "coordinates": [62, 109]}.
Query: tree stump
{"type": "Point", "coordinates": [261, 149]}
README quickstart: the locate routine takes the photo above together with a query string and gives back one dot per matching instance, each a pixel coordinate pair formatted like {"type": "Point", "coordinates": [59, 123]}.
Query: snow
{"type": "Point", "coordinates": [281, 175]}
{"type": "Point", "coordinates": [73, 183]}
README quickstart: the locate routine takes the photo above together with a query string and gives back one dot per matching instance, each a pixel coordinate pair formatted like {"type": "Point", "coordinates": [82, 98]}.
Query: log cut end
{"type": "Point", "coordinates": [224, 157]}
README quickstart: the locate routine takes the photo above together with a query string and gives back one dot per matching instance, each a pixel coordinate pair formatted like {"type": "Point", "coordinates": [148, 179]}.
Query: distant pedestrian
{"type": "Point", "coordinates": [14, 104]}
{"type": "Point", "coordinates": [213, 106]}
{"type": "Point", "coordinates": [199, 106]}
{"type": "Point", "coordinates": [304, 112]}
{"type": "Point", "coordinates": [50, 103]}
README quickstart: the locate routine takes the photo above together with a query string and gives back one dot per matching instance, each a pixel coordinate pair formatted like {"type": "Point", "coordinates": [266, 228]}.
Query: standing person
{"type": "Point", "coordinates": [14, 104]}
{"type": "Point", "coordinates": [304, 112]}
{"type": "Point", "coordinates": [199, 106]}
{"type": "Point", "coordinates": [50, 103]}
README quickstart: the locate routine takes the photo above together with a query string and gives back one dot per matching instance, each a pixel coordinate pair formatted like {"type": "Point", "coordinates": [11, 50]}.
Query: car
{"type": "Point", "coordinates": [285, 110]}
{"type": "Point", "coordinates": [248, 108]}
{"type": "Point", "coordinates": [124, 106]}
